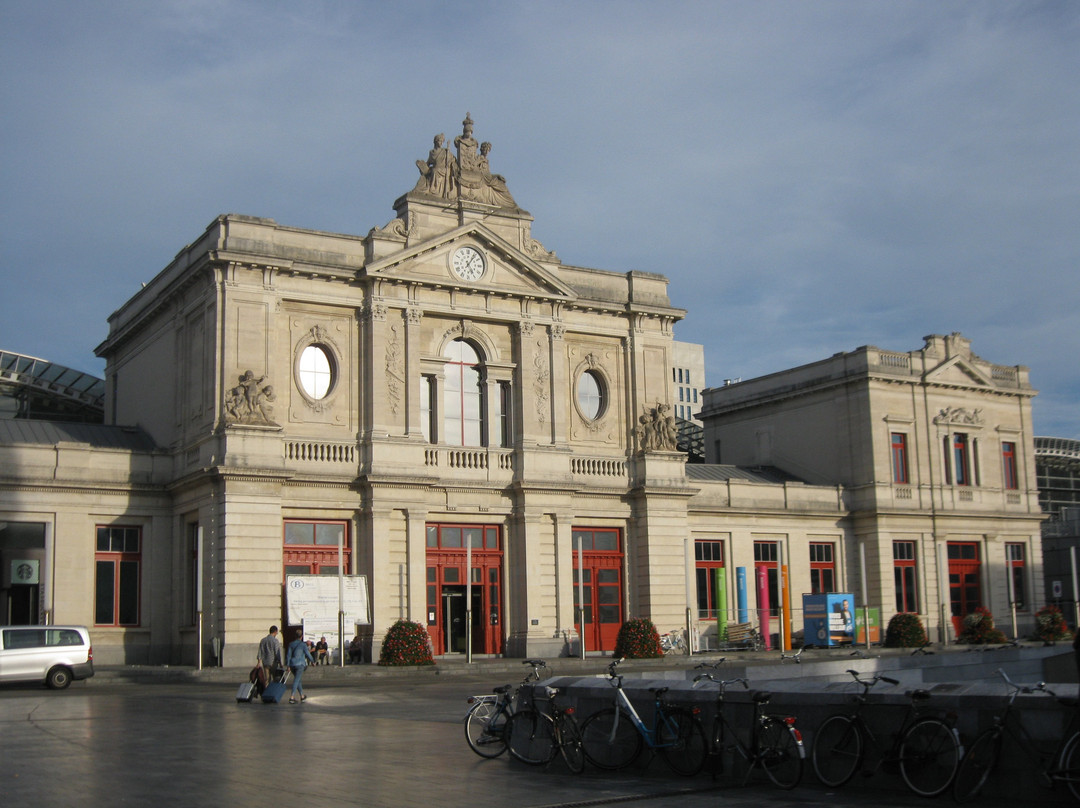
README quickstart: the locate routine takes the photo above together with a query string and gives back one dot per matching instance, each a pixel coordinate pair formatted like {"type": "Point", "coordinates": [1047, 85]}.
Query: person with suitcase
{"type": "Point", "coordinates": [298, 658]}
{"type": "Point", "coordinates": [270, 655]}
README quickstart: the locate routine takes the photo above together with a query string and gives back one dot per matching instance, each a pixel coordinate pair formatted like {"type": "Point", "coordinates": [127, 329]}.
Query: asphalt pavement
{"type": "Point", "coordinates": [365, 739]}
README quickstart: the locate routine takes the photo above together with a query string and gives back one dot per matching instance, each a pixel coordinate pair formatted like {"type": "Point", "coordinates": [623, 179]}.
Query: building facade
{"type": "Point", "coordinates": [935, 453]}
{"type": "Point", "coordinates": [486, 435]}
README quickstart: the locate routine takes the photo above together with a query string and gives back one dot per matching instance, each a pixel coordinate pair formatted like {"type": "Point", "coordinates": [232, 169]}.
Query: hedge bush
{"type": "Point", "coordinates": [977, 628]}
{"type": "Point", "coordinates": [638, 639]}
{"type": "Point", "coordinates": [1050, 625]}
{"type": "Point", "coordinates": [406, 643]}
{"type": "Point", "coordinates": [905, 630]}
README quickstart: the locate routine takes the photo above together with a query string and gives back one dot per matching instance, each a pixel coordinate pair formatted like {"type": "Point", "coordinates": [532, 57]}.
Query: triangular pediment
{"type": "Point", "coordinates": [957, 371]}
{"type": "Point", "coordinates": [506, 269]}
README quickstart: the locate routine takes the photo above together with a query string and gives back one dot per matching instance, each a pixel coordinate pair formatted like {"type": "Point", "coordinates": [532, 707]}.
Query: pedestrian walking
{"type": "Point", "coordinates": [298, 658]}
{"type": "Point", "coordinates": [270, 654]}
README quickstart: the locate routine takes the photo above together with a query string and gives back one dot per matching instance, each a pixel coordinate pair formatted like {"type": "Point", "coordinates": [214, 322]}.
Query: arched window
{"type": "Point", "coordinates": [464, 421]}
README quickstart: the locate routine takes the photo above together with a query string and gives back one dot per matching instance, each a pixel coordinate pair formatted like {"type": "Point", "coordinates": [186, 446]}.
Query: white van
{"type": "Point", "coordinates": [54, 655]}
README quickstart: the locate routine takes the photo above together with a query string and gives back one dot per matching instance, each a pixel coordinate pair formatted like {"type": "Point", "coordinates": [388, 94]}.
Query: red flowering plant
{"type": "Point", "coordinates": [1050, 625]}
{"type": "Point", "coordinates": [406, 643]}
{"type": "Point", "coordinates": [978, 628]}
{"type": "Point", "coordinates": [638, 639]}
{"type": "Point", "coordinates": [905, 630]}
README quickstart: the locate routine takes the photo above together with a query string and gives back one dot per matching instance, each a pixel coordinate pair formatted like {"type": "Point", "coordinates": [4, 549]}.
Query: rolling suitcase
{"type": "Point", "coordinates": [275, 691]}
{"type": "Point", "coordinates": [246, 692]}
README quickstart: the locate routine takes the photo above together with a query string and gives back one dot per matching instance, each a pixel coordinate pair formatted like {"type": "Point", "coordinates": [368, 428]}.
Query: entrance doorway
{"type": "Point", "coordinates": [597, 577]}
{"type": "Point", "coordinates": [965, 591]}
{"type": "Point", "coordinates": [449, 548]}
{"type": "Point", "coordinates": [22, 605]}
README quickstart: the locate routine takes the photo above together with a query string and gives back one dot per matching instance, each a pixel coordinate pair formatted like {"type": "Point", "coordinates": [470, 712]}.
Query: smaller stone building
{"type": "Point", "coordinates": [935, 453]}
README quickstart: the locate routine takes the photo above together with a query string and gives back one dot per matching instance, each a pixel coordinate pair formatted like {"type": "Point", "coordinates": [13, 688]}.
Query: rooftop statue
{"type": "Point", "coordinates": [464, 177]}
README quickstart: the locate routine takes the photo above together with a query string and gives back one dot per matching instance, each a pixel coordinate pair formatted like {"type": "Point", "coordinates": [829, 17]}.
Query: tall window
{"type": "Point", "coordinates": [961, 465]}
{"type": "Point", "coordinates": [822, 567]}
{"type": "Point", "coordinates": [504, 416]}
{"type": "Point", "coordinates": [1008, 463]}
{"type": "Point", "coordinates": [464, 425]}
{"type": "Point", "coordinates": [427, 409]}
{"type": "Point", "coordinates": [899, 458]}
{"type": "Point", "coordinates": [1014, 555]}
{"type": "Point", "coordinates": [709, 563]}
{"type": "Point", "coordinates": [905, 574]}
{"type": "Point", "coordinates": [116, 586]}
{"type": "Point", "coordinates": [766, 554]}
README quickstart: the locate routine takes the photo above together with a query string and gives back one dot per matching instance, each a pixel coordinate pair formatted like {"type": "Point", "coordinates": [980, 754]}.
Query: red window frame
{"type": "Point", "coordinates": [965, 589]}
{"type": "Point", "coordinates": [899, 458]}
{"type": "Point", "coordinates": [961, 459]}
{"type": "Point", "coordinates": [708, 558]}
{"type": "Point", "coordinates": [1008, 463]}
{"type": "Point", "coordinates": [905, 575]}
{"type": "Point", "coordinates": [767, 554]}
{"type": "Point", "coordinates": [822, 567]}
{"type": "Point", "coordinates": [1015, 560]}
{"type": "Point", "coordinates": [317, 557]}
{"type": "Point", "coordinates": [447, 551]}
{"type": "Point", "coordinates": [118, 575]}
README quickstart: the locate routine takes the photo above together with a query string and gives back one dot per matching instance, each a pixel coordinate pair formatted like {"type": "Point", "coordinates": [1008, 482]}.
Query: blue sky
{"type": "Point", "coordinates": [811, 176]}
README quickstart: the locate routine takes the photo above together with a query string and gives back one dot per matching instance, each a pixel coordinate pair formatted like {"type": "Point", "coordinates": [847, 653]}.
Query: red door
{"type": "Point", "coordinates": [965, 593]}
{"type": "Point", "coordinates": [448, 589]}
{"type": "Point", "coordinates": [597, 587]}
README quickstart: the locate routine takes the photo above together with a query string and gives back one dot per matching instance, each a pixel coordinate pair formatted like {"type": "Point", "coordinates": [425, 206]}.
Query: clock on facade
{"type": "Point", "coordinates": [468, 263]}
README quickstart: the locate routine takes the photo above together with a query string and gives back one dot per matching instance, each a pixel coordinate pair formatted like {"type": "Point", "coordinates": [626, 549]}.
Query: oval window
{"type": "Point", "coordinates": [590, 395]}
{"type": "Point", "coordinates": [316, 371]}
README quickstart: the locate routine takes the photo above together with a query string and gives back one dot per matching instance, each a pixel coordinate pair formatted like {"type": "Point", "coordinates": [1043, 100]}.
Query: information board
{"type": "Point", "coordinates": [315, 597]}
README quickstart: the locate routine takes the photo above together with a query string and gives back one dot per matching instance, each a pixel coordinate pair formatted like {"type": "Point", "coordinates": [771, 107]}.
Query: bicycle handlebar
{"type": "Point", "coordinates": [722, 682]}
{"type": "Point", "coordinates": [869, 683]}
{"type": "Point", "coordinates": [1038, 687]}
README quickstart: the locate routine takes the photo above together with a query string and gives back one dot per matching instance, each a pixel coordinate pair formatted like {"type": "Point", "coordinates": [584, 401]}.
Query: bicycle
{"type": "Point", "coordinates": [613, 737]}
{"type": "Point", "coordinates": [485, 722]}
{"type": "Point", "coordinates": [534, 737]}
{"type": "Point", "coordinates": [1061, 765]}
{"type": "Point", "coordinates": [774, 743]}
{"type": "Point", "coordinates": [926, 748]}
{"type": "Point", "coordinates": [673, 642]}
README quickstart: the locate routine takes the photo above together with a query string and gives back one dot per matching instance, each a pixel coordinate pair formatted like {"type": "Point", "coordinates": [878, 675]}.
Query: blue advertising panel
{"type": "Point", "coordinates": [828, 619]}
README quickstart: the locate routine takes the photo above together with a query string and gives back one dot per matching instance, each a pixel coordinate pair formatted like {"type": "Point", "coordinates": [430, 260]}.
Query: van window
{"type": "Point", "coordinates": [24, 638]}
{"type": "Point", "coordinates": [63, 636]}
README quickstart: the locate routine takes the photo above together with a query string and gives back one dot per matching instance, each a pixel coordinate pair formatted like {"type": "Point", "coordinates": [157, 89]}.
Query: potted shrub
{"type": "Point", "coordinates": [1050, 625]}
{"type": "Point", "coordinates": [406, 643]}
{"type": "Point", "coordinates": [977, 628]}
{"type": "Point", "coordinates": [905, 630]}
{"type": "Point", "coordinates": [638, 639]}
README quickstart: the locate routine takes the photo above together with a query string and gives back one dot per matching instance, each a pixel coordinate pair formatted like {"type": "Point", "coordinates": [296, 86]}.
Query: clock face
{"type": "Point", "coordinates": [468, 264]}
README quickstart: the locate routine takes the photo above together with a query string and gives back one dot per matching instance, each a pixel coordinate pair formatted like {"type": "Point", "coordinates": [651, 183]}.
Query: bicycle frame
{"type": "Point", "coordinates": [1051, 764]}
{"type": "Point", "coordinates": [648, 734]}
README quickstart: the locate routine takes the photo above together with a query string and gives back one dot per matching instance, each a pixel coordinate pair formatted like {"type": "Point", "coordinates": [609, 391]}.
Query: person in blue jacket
{"type": "Point", "coordinates": [298, 657]}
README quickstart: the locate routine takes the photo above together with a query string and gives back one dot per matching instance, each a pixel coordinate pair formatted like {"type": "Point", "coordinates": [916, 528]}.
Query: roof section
{"type": "Point", "coordinates": [97, 436]}
{"type": "Point", "coordinates": [54, 381]}
{"type": "Point", "coordinates": [716, 472]}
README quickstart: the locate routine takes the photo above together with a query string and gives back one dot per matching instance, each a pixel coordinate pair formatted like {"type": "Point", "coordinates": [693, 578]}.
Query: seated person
{"type": "Point", "coordinates": [322, 652]}
{"type": "Point", "coordinates": [356, 650]}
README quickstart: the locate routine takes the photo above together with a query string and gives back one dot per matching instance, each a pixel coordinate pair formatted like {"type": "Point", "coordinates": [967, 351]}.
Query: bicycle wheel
{"type": "Point", "coordinates": [530, 737]}
{"type": "Point", "coordinates": [484, 729]}
{"type": "Point", "coordinates": [979, 760]}
{"type": "Point", "coordinates": [681, 741]}
{"type": "Point", "coordinates": [569, 739]}
{"type": "Point", "coordinates": [610, 739]}
{"type": "Point", "coordinates": [837, 751]}
{"type": "Point", "coordinates": [929, 757]}
{"type": "Point", "coordinates": [1070, 766]}
{"type": "Point", "coordinates": [780, 753]}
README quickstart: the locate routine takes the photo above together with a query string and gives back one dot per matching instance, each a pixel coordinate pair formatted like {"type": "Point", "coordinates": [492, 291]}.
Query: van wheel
{"type": "Point", "coordinates": [58, 678]}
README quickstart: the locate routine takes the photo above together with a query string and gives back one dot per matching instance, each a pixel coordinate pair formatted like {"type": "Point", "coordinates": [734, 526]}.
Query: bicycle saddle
{"type": "Point", "coordinates": [503, 689]}
{"type": "Point", "coordinates": [919, 695]}
{"type": "Point", "coordinates": [659, 691]}
{"type": "Point", "coordinates": [761, 696]}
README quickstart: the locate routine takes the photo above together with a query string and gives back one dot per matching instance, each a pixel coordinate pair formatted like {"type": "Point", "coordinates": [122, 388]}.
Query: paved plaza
{"type": "Point", "coordinates": [378, 742]}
